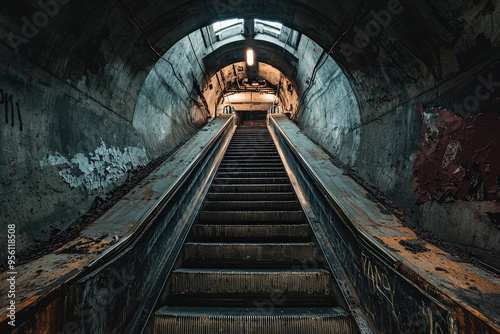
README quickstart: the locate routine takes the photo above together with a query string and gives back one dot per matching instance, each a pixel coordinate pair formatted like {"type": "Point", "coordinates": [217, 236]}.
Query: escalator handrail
{"type": "Point", "coordinates": [342, 212]}
{"type": "Point", "coordinates": [150, 215]}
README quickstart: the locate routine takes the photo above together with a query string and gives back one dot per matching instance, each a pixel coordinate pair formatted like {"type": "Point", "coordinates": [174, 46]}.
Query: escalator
{"type": "Point", "coordinates": [251, 263]}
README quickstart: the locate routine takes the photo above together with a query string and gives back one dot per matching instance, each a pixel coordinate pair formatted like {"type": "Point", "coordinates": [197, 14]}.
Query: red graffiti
{"type": "Point", "coordinates": [461, 162]}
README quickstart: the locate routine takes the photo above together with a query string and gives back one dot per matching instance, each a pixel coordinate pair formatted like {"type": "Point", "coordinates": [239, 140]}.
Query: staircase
{"type": "Point", "coordinates": [251, 263]}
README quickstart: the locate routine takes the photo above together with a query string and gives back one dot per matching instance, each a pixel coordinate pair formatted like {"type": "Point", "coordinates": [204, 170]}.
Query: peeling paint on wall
{"type": "Point", "coordinates": [460, 159]}
{"type": "Point", "coordinates": [99, 169]}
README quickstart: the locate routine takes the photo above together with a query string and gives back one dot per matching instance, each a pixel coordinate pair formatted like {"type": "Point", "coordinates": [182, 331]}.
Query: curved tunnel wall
{"type": "Point", "coordinates": [429, 56]}
{"type": "Point", "coordinates": [59, 150]}
{"type": "Point", "coordinates": [329, 109]}
{"type": "Point", "coordinates": [62, 149]}
{"type": "Point", "coordinates": [166, 112]}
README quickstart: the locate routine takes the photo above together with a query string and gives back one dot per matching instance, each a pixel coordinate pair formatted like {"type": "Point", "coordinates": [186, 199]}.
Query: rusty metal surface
{"type": "Point", "coordinates": [469, 291]}
{"type": "Point", "coordinates": [43, 276]}
{"type": "Point", "coordinates": [46, 275]}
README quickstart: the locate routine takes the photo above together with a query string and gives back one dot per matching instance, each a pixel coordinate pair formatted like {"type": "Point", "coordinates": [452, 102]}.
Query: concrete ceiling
{"type": "Point", "coordinates": [266, 52]}
{"type": "Point", "coordinates": [96, 43]}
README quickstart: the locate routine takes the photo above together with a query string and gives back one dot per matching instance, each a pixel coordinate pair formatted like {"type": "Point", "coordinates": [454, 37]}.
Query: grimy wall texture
{"type": "Point", "coordinates": [409, 98]}
{"type": "Point", "coordinates": [61, 148]}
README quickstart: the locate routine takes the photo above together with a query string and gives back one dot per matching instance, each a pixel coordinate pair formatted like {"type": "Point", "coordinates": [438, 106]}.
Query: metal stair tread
{"type": "Point", "coordinates": [219, 312]}
{"type": "Point", "coordinates": [228, 271]}
{"type": "Point", "coordinates": [256, 244]}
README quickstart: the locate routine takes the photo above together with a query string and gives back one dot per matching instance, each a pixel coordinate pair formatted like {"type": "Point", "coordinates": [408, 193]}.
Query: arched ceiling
{"type": "Point", "coordinates": [95, 45]}
{"type": "Point", "coordinates": [265, 51]}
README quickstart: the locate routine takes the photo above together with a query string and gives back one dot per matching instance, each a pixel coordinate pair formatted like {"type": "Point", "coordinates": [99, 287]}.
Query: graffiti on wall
{"type": "Point", "coordinates": [460, 159]}
{"type": "Point", "coordinates": [12, 110]}
{"type": "Point", "coordinates": [97, 169]}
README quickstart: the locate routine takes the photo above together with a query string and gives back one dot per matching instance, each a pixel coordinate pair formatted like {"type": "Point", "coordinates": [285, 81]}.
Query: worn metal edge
{"type": "Point", "coordinates": [398, 266]}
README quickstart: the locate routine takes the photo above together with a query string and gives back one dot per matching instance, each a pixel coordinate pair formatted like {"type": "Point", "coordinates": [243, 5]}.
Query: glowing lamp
{"type": "Point", "coordinates": [250, 57]}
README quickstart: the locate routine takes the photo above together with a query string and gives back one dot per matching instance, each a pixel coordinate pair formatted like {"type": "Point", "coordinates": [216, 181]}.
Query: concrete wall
{"type": "Point", "coordinates": [62, 147]}
{"type": "Point", "coordinates": [69, 150]}
{"type": "Point", "coordinates": [329, 109]}
{"type": "Point", "coordinates": [164, 112]}
{"type": "Point", "coordinates": [387, 148]}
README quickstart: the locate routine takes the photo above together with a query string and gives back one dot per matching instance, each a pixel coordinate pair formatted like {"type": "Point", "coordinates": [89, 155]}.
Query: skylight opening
{"type": "Point", "coordinates": [269, 27]}
{"type": "Point", "coordinates": [227, 24]}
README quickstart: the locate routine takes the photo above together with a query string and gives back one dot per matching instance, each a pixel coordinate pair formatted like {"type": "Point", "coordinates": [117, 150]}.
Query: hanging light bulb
{"type": "Point", "coordinates": [250, 57]}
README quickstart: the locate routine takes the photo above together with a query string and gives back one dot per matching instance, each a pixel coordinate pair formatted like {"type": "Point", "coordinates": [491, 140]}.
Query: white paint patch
{"type": "Point", "coordinates": [450, 153]}
{"type": "Point", "coordinates": [431, 122]}
{"type": "Point", "coordinates": [99, 169]}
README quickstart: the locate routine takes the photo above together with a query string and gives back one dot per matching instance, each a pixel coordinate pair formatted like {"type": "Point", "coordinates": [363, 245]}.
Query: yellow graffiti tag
{"type": "Point", "coordinates": [380, 282]}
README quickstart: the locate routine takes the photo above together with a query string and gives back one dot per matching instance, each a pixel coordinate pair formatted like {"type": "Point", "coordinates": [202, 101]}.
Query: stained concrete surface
{"type": "Point", "coordinates": [45, 274]}
{"type": "Point", "coordinates": [455, 278]}
{"type": "Point", "coordinates": [63, 148]}
{"type": "Point", "coordinates": [47, 180]}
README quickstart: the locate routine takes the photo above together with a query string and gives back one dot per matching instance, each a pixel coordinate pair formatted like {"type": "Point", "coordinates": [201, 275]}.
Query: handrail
{"type": "Point", "coordinates": [145, 221]}
{"type": "Point", "coordinates": [344, 215]}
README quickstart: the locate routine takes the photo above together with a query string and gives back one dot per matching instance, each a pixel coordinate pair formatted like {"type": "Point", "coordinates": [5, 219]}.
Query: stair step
{"type": "Point", "coordinates": [250, 205]}
{"type": "Point", "coordinates": [251, 216]}
{"type": "Point", "coordinates": [250, 174]}
{"type": "Point", "coordinates": [249, 188]}
{"type": "Point", "coordinates": [253, 156]}
{"type": "Point", "coordinates": [247, 147]}
{"type": "Point", "coordinates": [292, 255]}
{"type": "Point", "coordinates": [251, 232]}
{"type": "Point", "coordinates": [263, 320]}
{"type": "Point", "coordinates": [240, 141]}
{"type": "Point", "coordinates": [251, 196]}
{"type": "Point", "coordinates": [303, 282]}
{"type": "Point", "coordinates": [252, 153]}
{"type": "Point", "coordinates": [244, 169]}
{"type": "Point", "coordinates": [243, 164]}
{"type": "Point", "coordinates": [248, 180]}
{"type": "Point", "coordinates": [252, 141]}
{"type": "Point", "coordinates": [257, 150]}
{"type": "Point", "coordinates": [252, 160]}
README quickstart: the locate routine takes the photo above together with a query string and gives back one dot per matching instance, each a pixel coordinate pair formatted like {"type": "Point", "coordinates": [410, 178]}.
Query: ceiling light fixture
{"type": "Point", "coordinates": [250, 57]}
